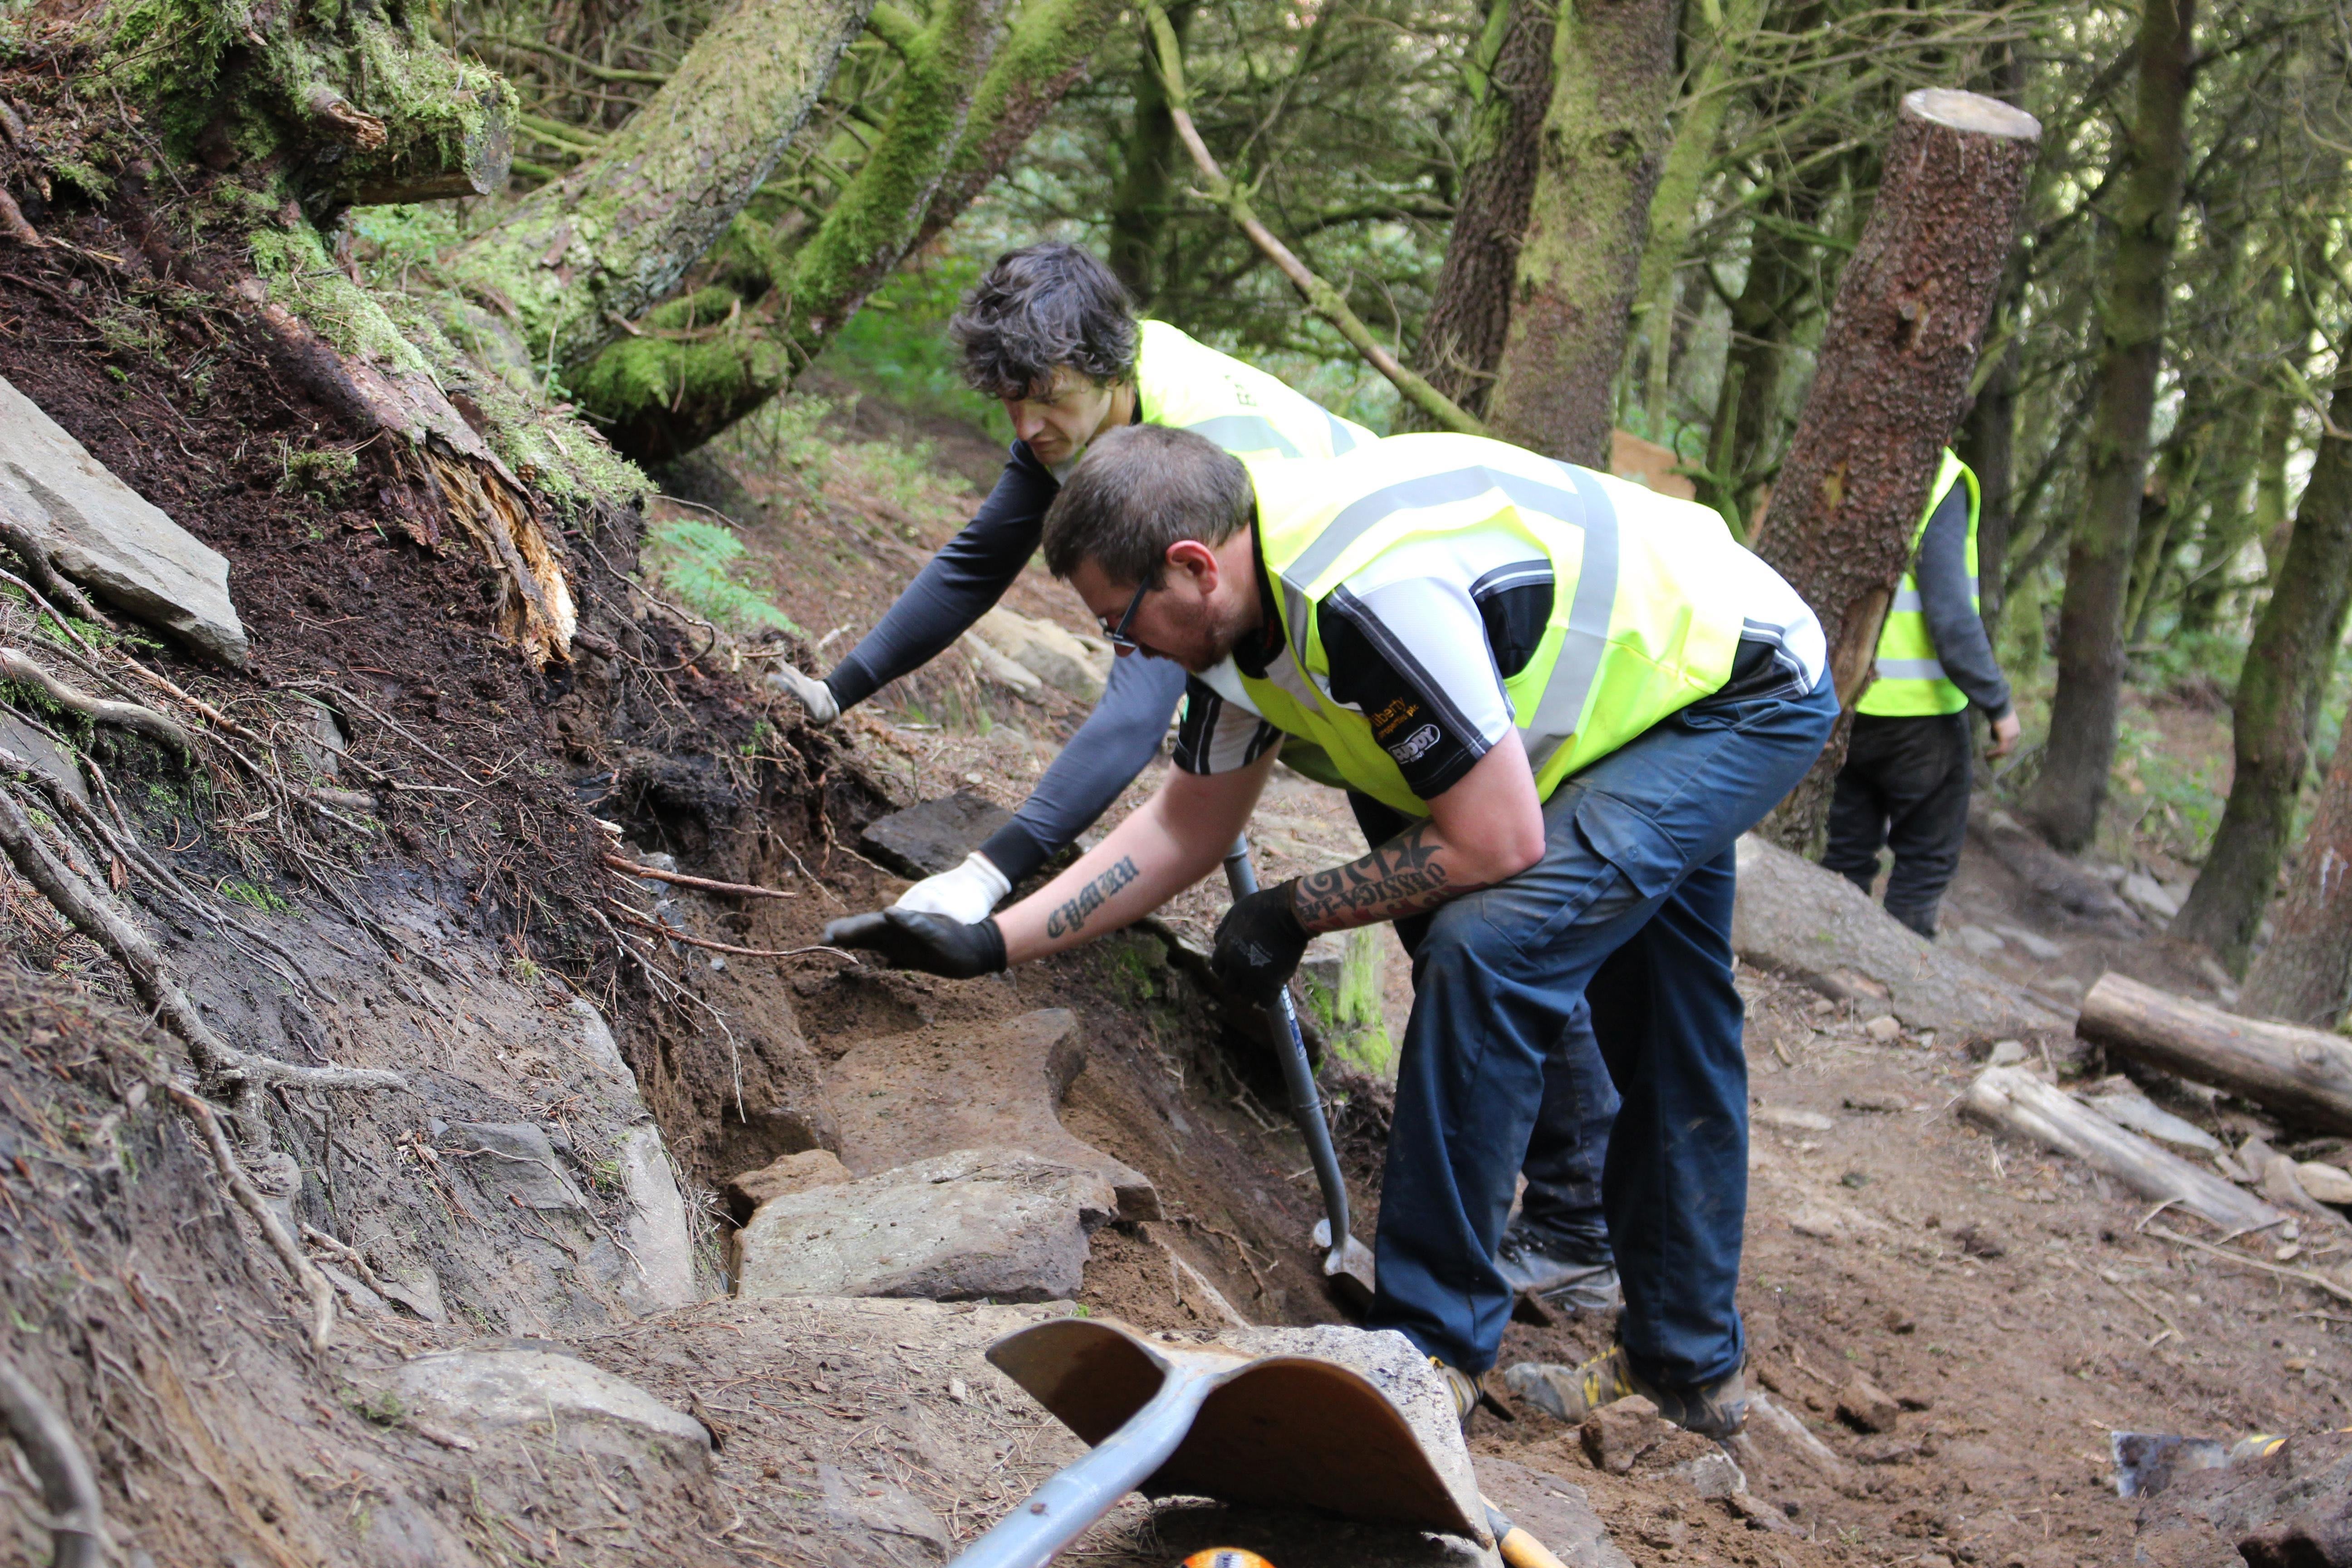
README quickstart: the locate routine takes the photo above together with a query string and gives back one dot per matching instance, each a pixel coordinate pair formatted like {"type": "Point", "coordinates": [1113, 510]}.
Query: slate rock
{"type": "Point", "coordinates": [1058, 657]}
{"type": "Point", "coordinates": [49, 759]}
{"type": "Point", "coordinates": [1711, 1474]}
{"type": "Point", "coordinates": [1615, 1437]}
{"type": "Point", "coordinates": [663, 1275]}
{"type": "Point", "coordinates": [514, 1158]}
{"type": "Point", "coordinates": [1796, 920]}
{"type": "Point", "coordinates": [1555, 1511]}
{"type": "Point", "coordinates": [935, 837]}
{"type": "Point", "coordinates": [998, 1223]}
{"type": "Point", "coordinates": [1979, 941]}
{"type": "Point", "coordinates": [105, 536]}
{"type": "Point", "coordinates": [2150, 897]}
{"type": "Point", "coordinates": [909, 1097]}
{"type": "Point", "coordinates": [2328, 1183]}
{"type": "Point", "coordinates": [871, 1523]}
{"type": "Point", "coordinates": [2038, 948]}
{"type": "Point", "coordinates": [1862, 1404]}
{"type": "Point", "coordinates": [501, 1392]}
{"type": "Point", "coordinates": [1789, 1119]}
{"type": "Point", "coordinates": [786, 1174]}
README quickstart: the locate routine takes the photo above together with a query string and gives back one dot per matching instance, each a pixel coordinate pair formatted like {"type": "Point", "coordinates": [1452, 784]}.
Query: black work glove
{"type": "Point", "coordinates": [1259, 945]}
{"type": "Point", "coordinates": [914, 939]}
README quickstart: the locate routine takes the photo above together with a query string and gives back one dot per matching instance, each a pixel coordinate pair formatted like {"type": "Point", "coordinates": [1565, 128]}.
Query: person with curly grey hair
{"type": "Point", "coordinates": [1053, 334]}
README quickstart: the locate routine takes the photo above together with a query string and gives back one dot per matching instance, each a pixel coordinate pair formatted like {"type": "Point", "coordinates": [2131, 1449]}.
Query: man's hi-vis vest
{"type": "Point", "coordinates": [1646, 612]}
{"type": "Point", "coordinates": [1191, 386]}
{"type": "Point", "coordinates": [1911, 682]}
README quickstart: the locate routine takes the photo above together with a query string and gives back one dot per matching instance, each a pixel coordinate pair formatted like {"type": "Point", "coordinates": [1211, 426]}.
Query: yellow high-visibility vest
{"type": "Point", "coordinates": [1183, 383]}
{"type": "Point", "coordinates": [1911, 682]}
{"type": "Point", "coordinates": [1646, 614]}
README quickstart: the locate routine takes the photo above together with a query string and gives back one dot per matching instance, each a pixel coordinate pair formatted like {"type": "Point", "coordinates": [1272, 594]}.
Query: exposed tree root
{"type": "Point", "coordinates": [17, 665]}
{"type": "Point", "coordinates": [77, 1521]}
{"type": "Point", "coordinates": [217, 1062]}
{"type": "Point", "coordinates": [306, 1273]}
{"type": "Point", "coordinates": [52, 580]}
{"type": "Point", "coordinates": [13, 223]}
{"type": "Point", "coordinates": [701, 884]}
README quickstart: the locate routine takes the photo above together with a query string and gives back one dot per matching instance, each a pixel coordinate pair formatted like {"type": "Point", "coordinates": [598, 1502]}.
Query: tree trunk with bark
{"type": "Point", "coordinates": [2304, 975]}
{"type": "Point", "coordinates": [1673, 210]}
{"type": "Point", "coordinates": [1145, 197]}
{"type": "Point", "coordinates": [1469, 318]}
{"type": "Point", "coordinates": [2084, 712]}
{"type": "Point", "coordinates": [612, 238]}
{"type": "Point", "coordinates": [1988, 445]}
{"type": "Point", "coordinates": [1902, 340]}
{"type": "Point", "coordinates": [1603, 143]}
{"type": "Point", "coordinates": [2301, 1072]}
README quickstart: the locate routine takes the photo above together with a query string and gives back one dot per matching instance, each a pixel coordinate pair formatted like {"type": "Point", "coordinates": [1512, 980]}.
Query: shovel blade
{"type": "Point", "coordinates": [1282, 1430]}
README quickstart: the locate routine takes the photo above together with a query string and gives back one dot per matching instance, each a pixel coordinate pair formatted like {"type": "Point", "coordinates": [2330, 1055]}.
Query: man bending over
{"type": "Point", "coordinates": [1577, 694]}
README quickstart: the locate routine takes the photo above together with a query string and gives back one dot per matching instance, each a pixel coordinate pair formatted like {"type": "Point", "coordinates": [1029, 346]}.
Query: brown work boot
{"type": "Point", "coordinates": [1717, 1410]}
{"type": "Point", "coordinates": [1462, 1386]}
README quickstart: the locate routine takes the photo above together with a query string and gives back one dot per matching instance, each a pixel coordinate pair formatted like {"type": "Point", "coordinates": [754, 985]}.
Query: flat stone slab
{"type": "Point", "coordinates": [109, 538]}
{"type": "Point", "coordinates": [1555, 1511]}
{"type": "Point", "coordinates": [1794, 918]}
{"type": "Point", "coordinates": [927, 839]}
{"type": "Point", "coordinates": [995, 1223]}
{"type": "Point", "coordinates": [903, 1098]}
{"type": "Point", "coordinates": [503, 1391]}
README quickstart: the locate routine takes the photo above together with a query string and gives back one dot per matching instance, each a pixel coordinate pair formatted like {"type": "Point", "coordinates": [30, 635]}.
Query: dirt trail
{"type": "Point", "coordinates": [586, 1078]}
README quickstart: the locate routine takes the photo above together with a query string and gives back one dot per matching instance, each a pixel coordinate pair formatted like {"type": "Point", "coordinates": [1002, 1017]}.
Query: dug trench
{"type": "Point", "coordinates": [537, 1357]}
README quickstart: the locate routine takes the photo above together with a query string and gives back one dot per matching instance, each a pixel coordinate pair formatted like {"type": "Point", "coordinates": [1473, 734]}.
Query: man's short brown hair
{"type": "Point", "coordinates": [1139, 490]}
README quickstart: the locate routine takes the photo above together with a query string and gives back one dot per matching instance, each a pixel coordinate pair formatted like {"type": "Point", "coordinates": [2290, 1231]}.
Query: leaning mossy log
{"type": "Point", "coordinates": [351, 103]}
{"type": "Point", "coordinates": [696, 365]}
{"type": "Point", "coordinates": [617, 234]}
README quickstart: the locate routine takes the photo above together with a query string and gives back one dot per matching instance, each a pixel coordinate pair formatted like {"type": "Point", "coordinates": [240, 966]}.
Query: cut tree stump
{"type": "Point", "coordinates": [2302, 1073]}
{"type": "Point", "coordinates": [2016, 1101]}
{"type": "Point", "coordinates": [1895, 362]}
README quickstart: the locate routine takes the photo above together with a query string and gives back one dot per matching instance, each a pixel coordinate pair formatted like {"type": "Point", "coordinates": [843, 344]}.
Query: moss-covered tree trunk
{"type": "Point", "coordinates": [2285, 674]}
{"type": "Point", "coordinates": [1604, 142]}
{"type": "Point", "coordinates": [1902, 339]}
{"type": "Point", "coordinates": [1673, 211]}
{"type": "Point", "coordinates": [2086, 707]}
{"type": "Point", "coordinates": [1469, 318]}
{"type": "Point", "coordinates": [698, 365]}
{"type": "Point", "coordinates": [2305, 975]}
{"type": "Point", "coordinates": [1145, 196]}
{"type": "Point", "coordinates": [603, 244]}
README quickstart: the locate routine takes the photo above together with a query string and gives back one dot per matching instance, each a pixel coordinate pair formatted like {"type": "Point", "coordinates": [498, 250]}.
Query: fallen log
{"type": "Point", "coordinates": [2302, 1073]}
{"type": "Point", "coordinates": [2016, 1101]}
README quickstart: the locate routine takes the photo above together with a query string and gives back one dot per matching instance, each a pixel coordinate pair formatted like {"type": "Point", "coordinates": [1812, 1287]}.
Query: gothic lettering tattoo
{"type": "Point", "coordinates": [1092, 896]}
{"type": "Point", "coordinates": [1402, 877]}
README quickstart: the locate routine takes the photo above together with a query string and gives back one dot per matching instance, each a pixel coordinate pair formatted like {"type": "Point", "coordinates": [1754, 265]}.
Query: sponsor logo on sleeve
{"type": "Point", "coordinates": [1414, 744]}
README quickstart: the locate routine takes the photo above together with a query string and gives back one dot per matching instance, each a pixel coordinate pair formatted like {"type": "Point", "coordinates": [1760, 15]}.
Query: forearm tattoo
{"type": "Point", "coordinates": [1092, 896]}
{"type": "Point", "coordinates": [1402, 877]}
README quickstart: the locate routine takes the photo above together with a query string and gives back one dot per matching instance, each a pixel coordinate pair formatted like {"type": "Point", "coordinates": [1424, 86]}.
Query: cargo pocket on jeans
{"type": "Point", "coordinates": [1647, 862]}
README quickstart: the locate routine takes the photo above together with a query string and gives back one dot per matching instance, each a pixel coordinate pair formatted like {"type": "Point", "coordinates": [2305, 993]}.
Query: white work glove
{"type": "Point", "coordinates": [965, 894]}
{"type": "Point", "coordinates": [815, 694]}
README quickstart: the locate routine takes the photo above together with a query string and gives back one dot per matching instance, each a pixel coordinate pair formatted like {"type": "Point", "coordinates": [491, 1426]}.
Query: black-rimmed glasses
{"type": "Point", "coordinates": [1117, 634]}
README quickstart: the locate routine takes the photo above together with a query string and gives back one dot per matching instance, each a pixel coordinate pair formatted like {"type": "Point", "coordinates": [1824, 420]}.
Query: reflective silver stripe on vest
{"type": "Point", "coordinates": [1910, 670]}
{"type": "Point", "coordinates": [1582, 504]}
{"type": "Point", "coordinates": [1907, 598]}
{"type": "Point", "coordinates": [1342, 438]}
{"type": "Point", "coordinates": [1245, 432]}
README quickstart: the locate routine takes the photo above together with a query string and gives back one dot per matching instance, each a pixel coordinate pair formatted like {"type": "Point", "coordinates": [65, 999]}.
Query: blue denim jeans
{"type": "Point", "coordinates": [1629, 911]}
{"type": "Point", "coordinates": [1562, 1202]}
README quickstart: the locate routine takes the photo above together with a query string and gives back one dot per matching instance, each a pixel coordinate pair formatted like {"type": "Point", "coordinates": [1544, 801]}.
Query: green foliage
{"type": "Point", "coordinates": [699, 563]}
{"type": "Point", "coordinates": [323, 471]}
{"type": "Point", "coordinates": [252, 895]}
{"type": "Point", "coordinates": [897, 346]}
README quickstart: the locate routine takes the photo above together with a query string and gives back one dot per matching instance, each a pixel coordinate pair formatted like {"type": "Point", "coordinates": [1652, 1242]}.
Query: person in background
{"type": "Point", "coordinates": [1905, 784]}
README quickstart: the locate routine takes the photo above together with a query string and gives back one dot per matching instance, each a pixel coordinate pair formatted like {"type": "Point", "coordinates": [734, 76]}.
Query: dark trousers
{"type": "Point", "coordinates": [1631, 907]}
{"type": "Point", "coordinates": [1905, 785]}
{"type": "Point", "coordinates": [1561, 1203]}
